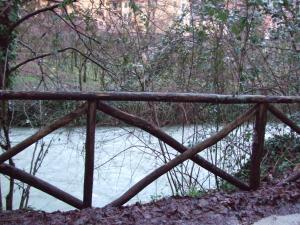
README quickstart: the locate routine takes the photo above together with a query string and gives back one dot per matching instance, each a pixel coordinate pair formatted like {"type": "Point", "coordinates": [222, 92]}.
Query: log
{"type": "Point", "coordinates": [89, 155]}
{"type": "Point", "coordinates": [42, 133]}
{"type": "Point", "coordinates": [148, 96]}
{"type": "Point", "coordinates": [135, 189]}
{"type": "Point", "coordinates": [258, 146]}
{"type": "Point", "coordinates": [276, 112]}
{"type": "Point", "coordinates": [40, 184]}
{"type": "Point", "coordinates": [163, 136]}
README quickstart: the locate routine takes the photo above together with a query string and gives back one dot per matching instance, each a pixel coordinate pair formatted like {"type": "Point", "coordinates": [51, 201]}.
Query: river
{"type": "Point", "coordinates": [123, 156]}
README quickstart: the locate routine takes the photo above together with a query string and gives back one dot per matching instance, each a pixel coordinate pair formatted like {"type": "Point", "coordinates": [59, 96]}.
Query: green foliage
{"type": "Point", "coordinates": [3, 29]}
{"type": "Point", "coordinates": [195, 193]}
{"type": "Point", "coordinates": [156, 197]}
{"type": "Point", "coordinates": [13, 16]}
{"type": "Point", "coordinates": [285, 142]}
{"type": "Point", "coordinates": [8, 36]}
{"type": "Point", "coordinates": [135, 8]}
{"type": "Point", "coordinates": [282, 153]}
{"type": "Point", "coordinates": [238, 27]}
{"type": "Point", "coordinates": [217, 12]}
{"type": "Point", "coordinates": [64, 3]}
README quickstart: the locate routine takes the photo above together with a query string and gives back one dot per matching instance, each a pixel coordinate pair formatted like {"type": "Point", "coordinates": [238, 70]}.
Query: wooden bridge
{"type": "Point", "coordinates": [259, 105]}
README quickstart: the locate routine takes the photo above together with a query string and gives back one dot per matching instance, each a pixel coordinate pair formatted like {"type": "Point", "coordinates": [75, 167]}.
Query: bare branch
{"type": "Point", "coordinates": [53, 53]}
{"type": "Point", "coordinates": [28, 16]}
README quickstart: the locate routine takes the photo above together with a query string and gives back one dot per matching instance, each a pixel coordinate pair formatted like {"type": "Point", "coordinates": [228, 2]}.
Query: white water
{"type": "Point", "coordinates": [121, 160]}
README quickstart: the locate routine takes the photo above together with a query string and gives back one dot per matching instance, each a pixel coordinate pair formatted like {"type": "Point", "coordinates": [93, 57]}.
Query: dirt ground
{"type": "Point", "coordinates": [218, 208]}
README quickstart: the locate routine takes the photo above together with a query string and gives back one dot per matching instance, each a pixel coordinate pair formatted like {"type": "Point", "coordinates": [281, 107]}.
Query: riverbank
{"type": "Point", "coordinates": [216, 208]}
{"type": "Point", "coordinates": [36, 113]}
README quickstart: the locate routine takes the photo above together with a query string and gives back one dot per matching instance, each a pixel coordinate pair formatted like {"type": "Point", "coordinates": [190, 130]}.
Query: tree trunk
{"type": "Point", "coordinates": [8, 17]}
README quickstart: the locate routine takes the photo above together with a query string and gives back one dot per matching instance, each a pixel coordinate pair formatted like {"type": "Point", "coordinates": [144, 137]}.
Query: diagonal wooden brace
{"type": "Point", "coordinates": [156, 131]}
{"type": "Point", "coordinates": [40, 184]}
{"type": "Point", "coordinates": [42, 133]}
{"type": "Point", "coordinates": [276, 112]}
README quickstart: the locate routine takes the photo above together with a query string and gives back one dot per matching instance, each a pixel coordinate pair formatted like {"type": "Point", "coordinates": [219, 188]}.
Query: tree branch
{"type": "Point", "coordinates": [52, 53]}
{"type": "Point", "coordinates": [28, 16]}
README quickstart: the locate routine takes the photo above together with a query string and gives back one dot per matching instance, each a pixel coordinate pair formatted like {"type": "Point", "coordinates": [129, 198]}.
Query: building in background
{"type": "Point", "coordinates": [144, 15]}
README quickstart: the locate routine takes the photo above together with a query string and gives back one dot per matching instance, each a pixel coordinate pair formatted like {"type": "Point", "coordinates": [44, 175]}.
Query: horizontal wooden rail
{"type": "Point", "coordinates": [40, 184]}
{"type": "Point", "coordinates": [148, 96]}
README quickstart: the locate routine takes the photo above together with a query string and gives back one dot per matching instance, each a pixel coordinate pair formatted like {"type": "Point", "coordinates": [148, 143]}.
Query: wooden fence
{"type": "Point", "coordinates": [260, 105]}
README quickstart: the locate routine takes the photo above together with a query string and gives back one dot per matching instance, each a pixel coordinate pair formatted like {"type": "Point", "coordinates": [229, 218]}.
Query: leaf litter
{"type": "Point", "coordinates": [214, 208]}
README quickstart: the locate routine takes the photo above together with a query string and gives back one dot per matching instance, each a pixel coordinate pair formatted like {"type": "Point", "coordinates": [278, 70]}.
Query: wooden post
{"type": "Point", "coordinates": [89, 154]}
{"type": "Point", "coordinates": [258, 146]}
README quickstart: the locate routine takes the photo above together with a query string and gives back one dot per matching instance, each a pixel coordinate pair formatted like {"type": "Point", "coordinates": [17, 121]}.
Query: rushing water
{"type": "Point", "coordinates": [123, 156]}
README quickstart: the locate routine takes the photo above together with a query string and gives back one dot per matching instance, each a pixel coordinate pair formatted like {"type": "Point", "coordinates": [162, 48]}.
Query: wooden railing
{"type": "Point", "coordinates": [95, 101]}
